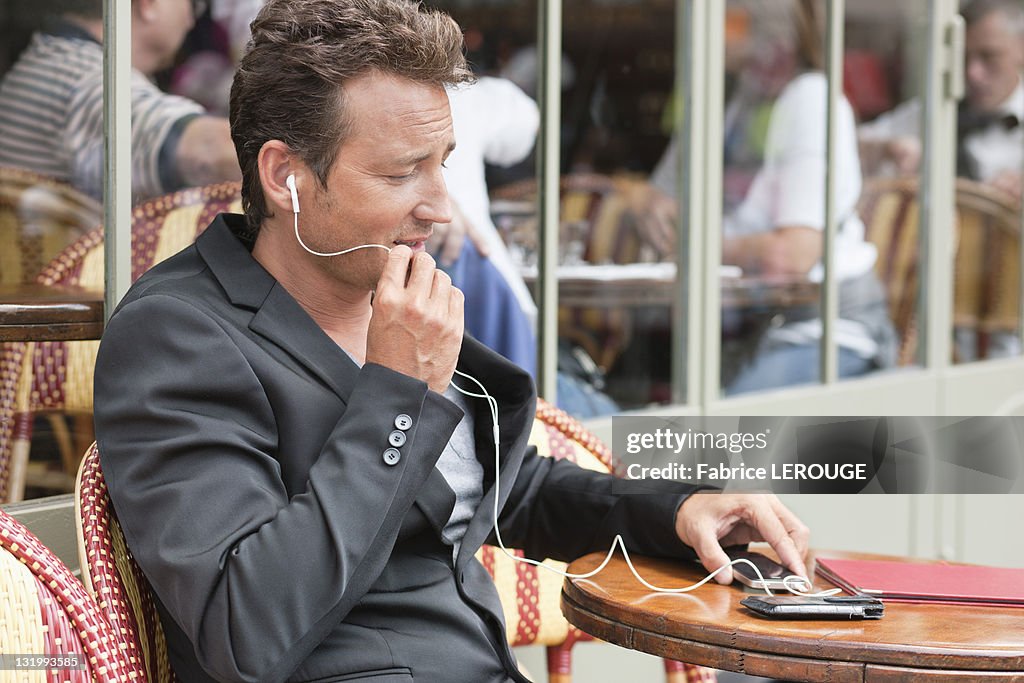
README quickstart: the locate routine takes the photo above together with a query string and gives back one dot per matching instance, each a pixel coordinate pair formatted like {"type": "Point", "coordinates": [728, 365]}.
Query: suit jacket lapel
{"type": "Point", "coordinates": [277, 316]}
{"type": "Point", "coordinates": [513, 389]}
{"type": "Point", "coordinates": [284, 322]}
{"type": "Point", "coordinates": [436, 500]}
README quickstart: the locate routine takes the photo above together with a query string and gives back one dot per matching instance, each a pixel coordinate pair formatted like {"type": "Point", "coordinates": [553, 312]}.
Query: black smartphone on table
{"type": "Point", "coordinates": [772, 572]}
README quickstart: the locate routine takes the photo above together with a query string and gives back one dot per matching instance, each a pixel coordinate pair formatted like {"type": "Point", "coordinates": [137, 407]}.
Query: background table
{"type": "Point", "coordinates": [655, 284]}
{"type": "Point", "coordinates": [32, 312]}
{"type": "Point", "coordinates": [913, 642]}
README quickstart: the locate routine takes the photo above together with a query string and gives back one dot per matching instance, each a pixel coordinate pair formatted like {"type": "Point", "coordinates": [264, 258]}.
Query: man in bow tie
{"type": "Point", "coordinates": [990, 140]}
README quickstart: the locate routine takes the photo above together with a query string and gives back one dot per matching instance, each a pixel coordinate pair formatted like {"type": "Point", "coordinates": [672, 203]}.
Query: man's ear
{"type": "Point", "coordinates": [276, 162]}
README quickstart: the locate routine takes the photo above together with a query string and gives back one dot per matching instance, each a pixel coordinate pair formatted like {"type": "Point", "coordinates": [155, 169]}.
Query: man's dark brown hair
{"type": "Point", "coordinates": [290, 83]}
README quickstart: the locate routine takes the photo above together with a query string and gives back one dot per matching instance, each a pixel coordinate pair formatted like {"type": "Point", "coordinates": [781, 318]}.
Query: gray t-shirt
{"type": "Point", "coordinates": [462, 471]}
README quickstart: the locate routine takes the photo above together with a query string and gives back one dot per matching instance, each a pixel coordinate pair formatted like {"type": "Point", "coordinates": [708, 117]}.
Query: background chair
{"type": "Point", "coordinates": [987, 263]}
{"type": "Point", "coordinates": [986, 299]}
{"type": "Point", "coordinates": [530, 596]}
{"type": "Point", "coordinates": [46, 611]}
{"type": "Point", "coordinates": [38, 377]}
{"type": "Point", "coordinates": [596, 225]}
{"type": "Point", "coordinates": [889, 209]}
{"type": "Point", "coordinates": [39, 217]}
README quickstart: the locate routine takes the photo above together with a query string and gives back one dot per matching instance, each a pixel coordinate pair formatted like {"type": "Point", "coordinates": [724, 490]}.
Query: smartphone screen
{"type": "Point", "coordinates": [772, 571]}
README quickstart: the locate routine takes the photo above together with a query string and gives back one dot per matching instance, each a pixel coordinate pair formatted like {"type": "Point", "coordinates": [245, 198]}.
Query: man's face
{"type": "Point", "coordinates": [995, 57]}
{"type": "Point", "coordinates": [386, 184]}
{"type": "Point", "coordinates": [168, 22]}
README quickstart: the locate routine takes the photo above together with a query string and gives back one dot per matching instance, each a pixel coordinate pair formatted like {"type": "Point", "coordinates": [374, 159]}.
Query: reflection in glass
{"type": "Point", "coordinates": [616, 305]}
{"type": "Point", "coordinates": [43, 216]}
{"type": "Point", "coordinates": [989, 158]}
{"type": "Point", "coordinates": [616, 76]}
{"type": "Point", "coordinates": [41, 212]}
{"type": "Point", "coordinates": [775, 209]}
{"type": "Point", "coordinates": [889, 46]}
{"type": "Point", "coordinates": [495, 122]}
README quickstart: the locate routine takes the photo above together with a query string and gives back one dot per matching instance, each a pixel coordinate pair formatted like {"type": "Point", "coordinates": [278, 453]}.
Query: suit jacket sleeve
{"type": "Point", "coordinates": [562, 511]}
{"type": "Point", "coordinates": [255, 578]}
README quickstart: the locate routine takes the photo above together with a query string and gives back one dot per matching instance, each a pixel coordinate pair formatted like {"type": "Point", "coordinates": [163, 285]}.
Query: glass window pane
{"type": "Point", "coordinates": [884, 71]}
{"type": "Point", "coordinates": [618, 228]}
{"type": "Point", "coordinates": [774, 193]}
{"type": "Point", "coordinates": [773, 212]}
{"type": "Point", "coordinates": [51, 89]}
{"type": "Point", "coordinates": [990, 157]}
{"type": "Point", "coordinates": [491, 176]}
{"type": "Point", "coordinates": [614, 314]}
{"type": "Point", "coordinates": [44, 205]}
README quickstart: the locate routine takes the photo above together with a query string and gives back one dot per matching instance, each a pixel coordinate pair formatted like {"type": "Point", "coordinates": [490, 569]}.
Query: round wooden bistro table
{"type": "Point", "coordinates": [912, 642]}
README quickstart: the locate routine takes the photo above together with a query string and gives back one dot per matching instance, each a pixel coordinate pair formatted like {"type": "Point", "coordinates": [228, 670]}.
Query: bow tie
{"type": "Point", "coordinates": [972, 122]}
{"type": "Point", "coordinates": [969, 122]}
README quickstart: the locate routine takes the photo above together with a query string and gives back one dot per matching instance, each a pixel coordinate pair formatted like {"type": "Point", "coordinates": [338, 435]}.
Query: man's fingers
{"type": "Point", "coordinates": [456, 305]}
{"type": "Point", "coordinates": [421, 274]}
{"type": "Point", "coordinates": [440, 289]}
{"type": "Point", "coordinates": [796, 529]}
{"type": "Point", "coordinates": [772, 530]}
{"type": "Point", "coordinates": [396, 267]}
{"type": "Point", "coordinates": [711, 554]}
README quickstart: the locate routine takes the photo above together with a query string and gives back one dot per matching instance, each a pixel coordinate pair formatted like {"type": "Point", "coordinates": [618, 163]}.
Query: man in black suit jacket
{"type": "Point", "coordinates": [291, 468]}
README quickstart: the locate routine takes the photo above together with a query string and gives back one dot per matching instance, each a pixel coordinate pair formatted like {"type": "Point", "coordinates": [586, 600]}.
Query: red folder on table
{"type": "Point", "coordinates": [927, 581]}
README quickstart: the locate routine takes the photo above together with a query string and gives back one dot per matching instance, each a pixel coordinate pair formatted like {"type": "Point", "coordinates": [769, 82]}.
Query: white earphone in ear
{"type": "Point", "coordinates": [290, 182]}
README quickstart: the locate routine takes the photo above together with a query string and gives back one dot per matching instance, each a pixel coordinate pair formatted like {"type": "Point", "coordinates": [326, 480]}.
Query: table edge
{"type": "Point", "coordinates": [725, 640]}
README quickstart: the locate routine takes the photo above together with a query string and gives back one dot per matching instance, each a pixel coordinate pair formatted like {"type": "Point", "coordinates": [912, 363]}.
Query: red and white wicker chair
{"type": "Point", "coordinates": [44, 610]}
{"type": "Point", "coordinates": [46, 377]}
{"type": "Point", "coordinates": [112, 577]}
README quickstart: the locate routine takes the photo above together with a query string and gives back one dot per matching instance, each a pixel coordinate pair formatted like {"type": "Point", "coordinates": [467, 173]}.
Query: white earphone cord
{"type": "Point", "coordinates": [333, 253]}
{"type": "Point", "coordinates": [791, 582]}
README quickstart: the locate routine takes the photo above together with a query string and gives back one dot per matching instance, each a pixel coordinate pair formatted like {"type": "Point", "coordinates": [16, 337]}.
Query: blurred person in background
{"type": "Point", "coordinates": [495, 123]}
{"type": "Point", "coordinates": [51, 104]}
{"type": "Point", "coordinates": [990, 139]}
{"type": "Point", "coordinates": [776, 231]}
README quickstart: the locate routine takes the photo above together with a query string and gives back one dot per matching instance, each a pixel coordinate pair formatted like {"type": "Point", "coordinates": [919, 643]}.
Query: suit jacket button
{"type": "Point", "coordinates": [403, 422]}
{"type": "Point", "coordinates": [396, 438]}
{"type": "Point", "coordinates": [392, 456]}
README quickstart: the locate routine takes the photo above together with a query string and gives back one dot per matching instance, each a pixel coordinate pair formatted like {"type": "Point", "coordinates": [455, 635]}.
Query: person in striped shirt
{"type": "Point", "coordinates": [51, 105]}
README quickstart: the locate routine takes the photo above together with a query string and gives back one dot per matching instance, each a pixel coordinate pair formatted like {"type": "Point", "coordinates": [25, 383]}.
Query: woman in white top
{"type": "Point", "coordinates": [778, 228]}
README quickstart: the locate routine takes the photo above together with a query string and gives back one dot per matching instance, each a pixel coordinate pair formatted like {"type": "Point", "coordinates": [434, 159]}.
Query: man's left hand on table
{"type": "Point", "coordinates": [708, 522]}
